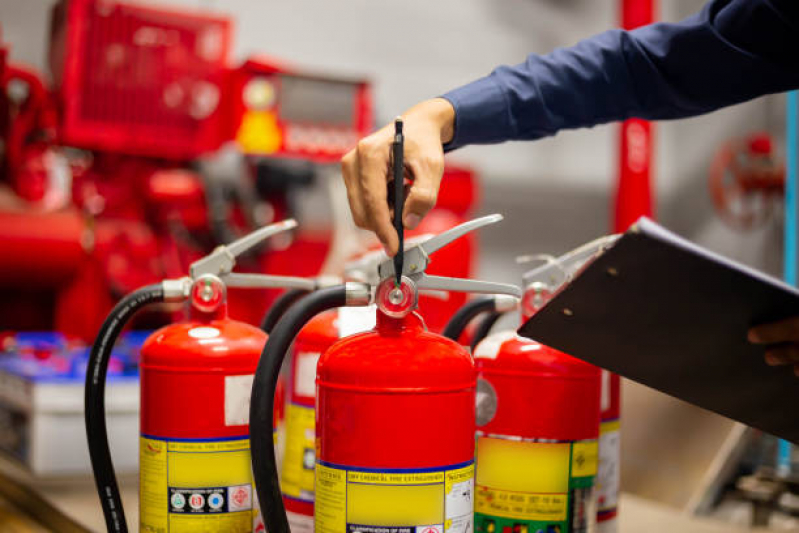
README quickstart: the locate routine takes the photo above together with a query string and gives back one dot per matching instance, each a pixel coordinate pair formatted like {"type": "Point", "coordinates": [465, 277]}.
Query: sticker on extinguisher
{"type": "Point", "coordinates": [430, 500]}
{"type": "Point", "coordinates": [609, 470]}
{"type": "Point", "coordinates": [535, 486]}
{"type": "Point", "coordinates": [196, 485]}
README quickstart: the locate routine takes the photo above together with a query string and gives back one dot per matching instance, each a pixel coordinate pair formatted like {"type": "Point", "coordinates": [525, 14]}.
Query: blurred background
{"type": "Point", "coordinates": [90, 216]}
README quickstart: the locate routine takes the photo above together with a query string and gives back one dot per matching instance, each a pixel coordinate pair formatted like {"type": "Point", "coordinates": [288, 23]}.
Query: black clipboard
{"type": "Point", "coordinates": [662, 311]}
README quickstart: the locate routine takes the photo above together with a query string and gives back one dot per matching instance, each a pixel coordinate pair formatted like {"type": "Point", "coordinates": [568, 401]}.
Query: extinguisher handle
{"type": "Point", "coordinates": [264, 464]}
{"type": "Point", "coordinates": [221, 261]}
{"type": "Point", "coordinates": [560, 270]}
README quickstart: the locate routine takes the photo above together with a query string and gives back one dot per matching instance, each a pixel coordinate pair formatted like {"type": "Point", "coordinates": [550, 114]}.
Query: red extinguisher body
{"type": "Point", "coordinates": [195, 471]}
{"type": "Point", "coordinates": [537, 428]}
{"type": "Point", "coordinates": [395, 431]}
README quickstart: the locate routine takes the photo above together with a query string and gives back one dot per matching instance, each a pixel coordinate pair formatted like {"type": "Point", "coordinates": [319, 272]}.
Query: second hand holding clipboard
{"type": "Point", "coordinates": [666, 313]}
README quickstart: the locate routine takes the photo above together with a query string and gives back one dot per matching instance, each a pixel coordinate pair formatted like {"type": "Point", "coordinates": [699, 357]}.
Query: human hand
{"type": "Point", "coordinates": [366, 169]}
{"type": "Point", "coordinates": [781, 340]}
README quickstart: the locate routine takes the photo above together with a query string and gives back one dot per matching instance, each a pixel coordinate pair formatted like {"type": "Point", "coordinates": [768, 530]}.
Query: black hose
{"type": "Point", "coordinates": [484, 328]}
{"type": "Point", "coordinates": [96, 431]}
{"type": "Point", "coordinates": [264, 465]}
{"type": "Point", "coordinates": [283, 302]}
{"type": "Point", "coordinates": [466, 314]}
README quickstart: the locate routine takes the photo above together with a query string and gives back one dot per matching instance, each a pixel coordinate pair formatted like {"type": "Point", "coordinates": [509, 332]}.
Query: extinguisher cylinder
{"type": "Point", "coordinates": [96, 431]}
{"type": "Point", "coordinates": [264, 464]}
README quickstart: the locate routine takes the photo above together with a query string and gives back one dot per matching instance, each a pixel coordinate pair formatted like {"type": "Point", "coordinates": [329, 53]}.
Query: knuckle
{"type": "Point", "coordinates": [424, 198]}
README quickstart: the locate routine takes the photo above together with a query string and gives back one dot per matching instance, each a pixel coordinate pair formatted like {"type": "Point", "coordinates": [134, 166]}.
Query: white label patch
{"type": "Point", "coordinates": [237, 399]}
{"type": "Point", "coordinates": [305, 380]}
{"type": "Point", "coordinates": [352, 320]}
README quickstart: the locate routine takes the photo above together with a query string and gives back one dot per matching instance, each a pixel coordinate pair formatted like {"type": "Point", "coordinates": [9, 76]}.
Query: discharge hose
{"type": "Point", "coordinates": [466, 314]}
{"type": "Point", "coordinates": [279, 307]}
{"type": "Point", "coordinates": [96, 431]}
{"type": "Point", "coordinates": [484, 327]}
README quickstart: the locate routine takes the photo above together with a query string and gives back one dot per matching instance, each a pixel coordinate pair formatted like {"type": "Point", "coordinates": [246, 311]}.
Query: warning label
{"type": "Point", "coordinates": [190, 486]}
{"type": "Point", "coordinates": [432, 500]}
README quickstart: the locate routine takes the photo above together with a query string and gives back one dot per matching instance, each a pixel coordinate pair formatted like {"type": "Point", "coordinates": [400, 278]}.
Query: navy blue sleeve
{"type": "Point", "coordinates": [730, 52]}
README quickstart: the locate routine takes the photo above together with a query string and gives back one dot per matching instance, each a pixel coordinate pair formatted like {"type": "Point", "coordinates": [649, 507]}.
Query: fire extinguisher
{"type": "Point", "coordinates": [394, 408]}
{"type": "Point", "coordinates": [196, 379]}
{"type": "Point", "coordinates": [546, 457]}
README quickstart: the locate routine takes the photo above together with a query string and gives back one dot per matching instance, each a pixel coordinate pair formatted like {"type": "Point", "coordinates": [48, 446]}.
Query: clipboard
{"type": "Point", "coordinates": [664, 312]}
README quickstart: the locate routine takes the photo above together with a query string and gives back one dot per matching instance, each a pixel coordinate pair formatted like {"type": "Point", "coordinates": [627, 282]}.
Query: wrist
{"type": "Point", "coordinates": [441, 113]}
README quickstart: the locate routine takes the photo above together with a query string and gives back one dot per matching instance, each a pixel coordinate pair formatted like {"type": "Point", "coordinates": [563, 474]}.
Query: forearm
{"type": "Point", "coordinates": [734, 50]}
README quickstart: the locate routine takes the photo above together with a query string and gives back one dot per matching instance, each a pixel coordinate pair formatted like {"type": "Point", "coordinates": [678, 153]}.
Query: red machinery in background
{"type": "Point", "coordinates": [139, 95]}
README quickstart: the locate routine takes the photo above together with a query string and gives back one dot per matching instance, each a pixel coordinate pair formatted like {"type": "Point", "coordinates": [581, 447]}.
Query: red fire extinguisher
{"type": "Point", "coordinates": [196, 378]}
{"type": "Point", "coordinates": [394, 409]}
{"type": "Point", "coordinates": [546, 458]}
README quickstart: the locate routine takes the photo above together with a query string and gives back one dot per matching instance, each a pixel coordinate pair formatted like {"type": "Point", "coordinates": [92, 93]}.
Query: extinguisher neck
{"type": "Point", "coordinates": [387, 325]}
{"type": "Point", "coordinates": [198, 315]}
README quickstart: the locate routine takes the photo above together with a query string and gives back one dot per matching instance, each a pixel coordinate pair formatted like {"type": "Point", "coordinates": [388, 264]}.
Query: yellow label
{"type": "Point", "coordinates": [435, 500]}
{"type": "Point", "coordinates": [523, 466]}
{"type": "Point", "coordinates": [585, 459]}
{"type": "Point", "coordinates": [330, 509]}
{"type": "Point", "coordinates": [531, 480]}
{"type": "Point", "coordinates": [196, 486]}
{"type": "Point", "coordinates": [297, 476]}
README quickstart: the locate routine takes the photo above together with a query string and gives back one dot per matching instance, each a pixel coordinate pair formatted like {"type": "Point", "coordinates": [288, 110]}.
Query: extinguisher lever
{"type": "Point", "coordinates": [221, 261]}
{"type": "Point", "coordinates": [556, 271]}
{"type": "Point", "coordinates": [417, 257]}
{"type": "Point", "coordinates": [423, 281]}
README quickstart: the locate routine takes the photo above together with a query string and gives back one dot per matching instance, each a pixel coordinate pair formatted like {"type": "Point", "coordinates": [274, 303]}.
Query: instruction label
{"type": "Point", "coordinates": [196, 486]}
{"type": "Point", "coordinates": [533, 486]}
{"type": "Point", "coordinates": [430, 500]}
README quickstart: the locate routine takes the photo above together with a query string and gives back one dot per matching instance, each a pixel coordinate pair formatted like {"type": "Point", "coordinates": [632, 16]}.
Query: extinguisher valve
{"type": "Point", "coordinates": [396, 301]}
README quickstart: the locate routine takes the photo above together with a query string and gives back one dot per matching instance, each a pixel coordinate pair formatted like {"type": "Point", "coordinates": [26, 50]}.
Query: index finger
{"type": "Point", "coordinates": [786, 330]}
{"type": "Point", "coordinates": [373, 179]}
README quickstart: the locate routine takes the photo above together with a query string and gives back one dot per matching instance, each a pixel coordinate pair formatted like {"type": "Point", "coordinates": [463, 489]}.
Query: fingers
{"type": "Point", "coordinates": [775, 333]}
{"type": "Point", "coordinates": [786, 354]}
{"type": "Point", "coordinates": [427, 172]}
{"type": "Point", "coordinates": [373, 165]}
{"type": "Point", "coordinates": [351, 174]}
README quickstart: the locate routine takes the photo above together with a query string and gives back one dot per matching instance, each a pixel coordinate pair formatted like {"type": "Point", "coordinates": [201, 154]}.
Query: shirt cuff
{"type": "Point", "coordinates": [481, 114]}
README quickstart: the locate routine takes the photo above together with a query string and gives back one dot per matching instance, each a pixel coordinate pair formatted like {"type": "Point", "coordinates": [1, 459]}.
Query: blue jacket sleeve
{"type": "Point", "coordinates": [732, 51]}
